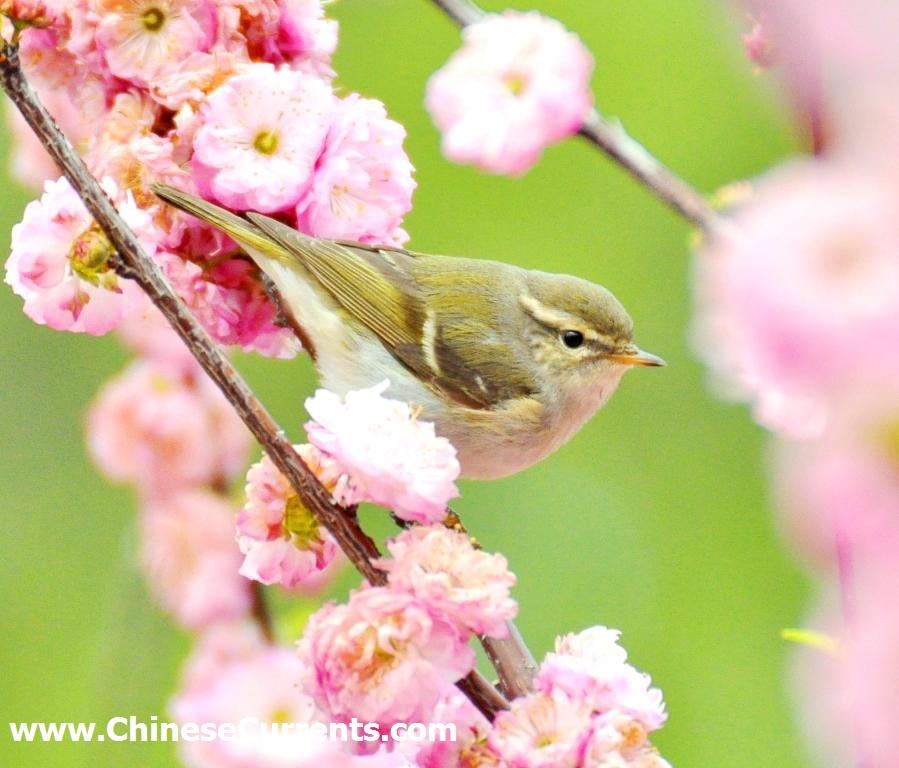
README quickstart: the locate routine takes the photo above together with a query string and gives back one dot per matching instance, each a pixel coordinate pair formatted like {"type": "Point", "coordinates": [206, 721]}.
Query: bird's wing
{"type": "Point", "coordinates": [460, 356]}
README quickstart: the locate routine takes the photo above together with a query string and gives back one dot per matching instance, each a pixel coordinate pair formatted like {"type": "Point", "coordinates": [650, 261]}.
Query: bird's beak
{"type": "Point", "coordinates": [636, 356]}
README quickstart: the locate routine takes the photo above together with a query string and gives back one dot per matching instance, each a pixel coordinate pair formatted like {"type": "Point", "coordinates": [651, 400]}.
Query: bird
{"type": "Point", "coordinates": [508, 363]}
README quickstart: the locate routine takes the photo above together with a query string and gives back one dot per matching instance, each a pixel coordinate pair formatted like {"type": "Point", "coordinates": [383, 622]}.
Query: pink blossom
{"type": "Point", "coordinates": [164, 432]}
{"type": "Point", "coordinates": [130, 116]}
{"type": "Point", "coordinates": [391, 458]}
{"type": "Point", "coordinates": [79, 41]}
{"type": "Point", "coordinates": [305, 37]}
{"type": "Point", "coordinates": [591, 667]}
{"type": "Point", "coordinates": [519, 83]}
{"type": "Point", "coordinates": [259, 695]}
{"type": "Point", "coordinates": [830, 490]}
{"type": "Point", "coordinates": [248, 28]}
{"type": "Point", "coordinates": [43, 52]}
{"type": "Point", "coordinates": [363, 184]}
{"type": "Point", "coordinates": [32, 12]}
{"type": "Point", "coordinates": [230, 301]}
{"type": "Point", "coordinates": [280, 538]}
{"type": "Point", "coordinates": [617, 741]}
{"type": "Point", "coordinates": [262, 133]}
{"type": "Point", "coordinates": [868, 680]}
{"type": "Point", "coordinates": [802, 292]}
{"type": "Point", "coordinates": [849, 700]}
{"type": "Point", "coordinates": [190, 560]}
{"type": "Point", "coordinates": [470, 749]}
{"type": "Point", "coordinates": [381, 657]}
{"type": "Point", "coordinates": [316, 582]}
{"type": "Point", "coordinates": [141, 38]}
{"type": "Point", "coordinates": [218, 646]}
{"type": "Point", "coordinates": [846, 39]}
{"type": "Point", "coordinates": [126, 149]}
{"type": "Point", "coordinates": [242, 305]}
{"type": "Point", "coordinates": [840, 65]}
{"type": "Point", "coordinates": [542, 730]}
{"type": "Point", "coordinates": [465, 587]}
{"type": "Point", "coordinates": [194, 78]}
{"type": "Point", "coordinates": [845, 485]}
{"type": "Point", "coordinates": [59, 262]}
{"type": "Point", "coordinates": [75, 99]}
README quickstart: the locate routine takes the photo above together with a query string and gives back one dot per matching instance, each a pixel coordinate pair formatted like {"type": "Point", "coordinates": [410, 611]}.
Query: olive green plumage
{"type": "Point", "coordinates": [472, 342]}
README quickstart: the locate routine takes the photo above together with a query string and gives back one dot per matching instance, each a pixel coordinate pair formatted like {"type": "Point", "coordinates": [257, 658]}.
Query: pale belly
{"type": "Point", "coordinates": [490, 443]}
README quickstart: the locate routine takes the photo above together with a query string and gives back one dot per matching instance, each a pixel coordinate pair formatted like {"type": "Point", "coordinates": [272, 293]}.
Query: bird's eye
{"type": "Point", "coordinates": [572, 339]}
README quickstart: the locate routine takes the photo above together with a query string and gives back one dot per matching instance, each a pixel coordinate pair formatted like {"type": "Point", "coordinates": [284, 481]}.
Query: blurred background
{"type": "Point", "coordinates": [654, 519]}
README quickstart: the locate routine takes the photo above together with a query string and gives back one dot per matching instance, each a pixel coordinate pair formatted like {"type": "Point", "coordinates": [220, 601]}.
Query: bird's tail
{"type": "Point", "coordinates": [239, 229]}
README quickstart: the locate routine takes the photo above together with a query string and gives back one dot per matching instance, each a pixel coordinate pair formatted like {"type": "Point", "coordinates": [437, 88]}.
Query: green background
{"type": "Point", "coordinates": [654, 519]}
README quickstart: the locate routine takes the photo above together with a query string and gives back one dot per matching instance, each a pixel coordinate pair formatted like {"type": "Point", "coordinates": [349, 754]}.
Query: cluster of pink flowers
{"type": "Point", "coordinates": [390, 654]}
{"type": "Point", "coordinates": [463, 586]}
{"type": "Point", "coordinates": [230, 100]}
{"type": "Point", "coordinates": [59, 262]}
{"type": "Point", "coordinates": [363, 448]}
{"type": "Point", "coordinates": [234, 101]}
{"type": "Point", "coordinates": [247, 688]}
{"type": "Point", "coordinates": [165, 429]}
{"type": "Point", "coordinates": [519, 83]}
{"type": "Point", "coordinates": [280, 539]}
{"type": "Point", "coordinates": [391, 457]}
{"type": "Point", "coordinates": [799, 314]}
{"type": "Point", "coordinates": [590, 708]}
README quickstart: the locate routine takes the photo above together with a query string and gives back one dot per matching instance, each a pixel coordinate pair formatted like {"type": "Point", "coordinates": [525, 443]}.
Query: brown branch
{"type": "Point", "coordinates": [610, 137]}
{"type": "Point", "coordinates": [510, 656]}
{"type": "Point", "coordinates": [462, 12]}
{"type": "Point", "coordinates": [512, 659]}
{"type": "Point", "coordinates": [359, 548]}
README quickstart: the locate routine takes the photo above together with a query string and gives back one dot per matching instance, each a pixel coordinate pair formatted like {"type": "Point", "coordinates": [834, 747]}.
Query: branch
{"type": "Point", "coordinates": [343, 526]}
{"type": "Point", "coordinates": [463, 12]}
{"type": "Point", "coordinates": [510, 656]}
{"type": "Point", "coordinates": [513, 662]}
{"type": "Point", "coordinates": [610, 137]}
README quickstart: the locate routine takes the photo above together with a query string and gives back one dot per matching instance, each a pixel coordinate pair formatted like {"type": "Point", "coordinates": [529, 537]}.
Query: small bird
{"type": "Point", "coordinates": [507, 363]}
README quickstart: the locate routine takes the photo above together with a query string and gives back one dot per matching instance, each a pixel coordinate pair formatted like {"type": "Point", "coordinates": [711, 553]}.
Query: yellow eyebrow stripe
{"type": "Point", "coordinates": [551, 318]}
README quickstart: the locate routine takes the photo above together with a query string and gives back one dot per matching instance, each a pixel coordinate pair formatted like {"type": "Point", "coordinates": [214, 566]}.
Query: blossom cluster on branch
{"type": "Point", "coordinates": [234, 101]}
{"type": "Point", "coordinates": [799, 314]}
{"type": "Point", "coordinates": [519, 83]}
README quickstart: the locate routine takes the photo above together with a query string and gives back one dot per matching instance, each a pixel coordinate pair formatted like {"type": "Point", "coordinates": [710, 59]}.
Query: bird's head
{"type": "Point", "coordinates": [580, 335]}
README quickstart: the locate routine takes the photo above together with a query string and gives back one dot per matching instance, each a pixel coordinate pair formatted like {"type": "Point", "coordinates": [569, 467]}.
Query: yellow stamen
{"type": "Point", "coordinates": [89, 257]}
{"type": "Point", "coordinates": [266, 143]}
{"type": "Point", "coordinates": [153, 19]}
{"type": "Point", "coordinates": [299, 521]}
{"type": "Point", "coordinates": [516, 84]}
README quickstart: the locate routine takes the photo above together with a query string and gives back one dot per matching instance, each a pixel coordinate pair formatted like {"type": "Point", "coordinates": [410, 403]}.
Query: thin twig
{"type": "Point", "coordinates": [631, 155]}
{"type": "Point", "coordinates": [462, 12]}
{"type": "Point", "coordinates": [610, 137]}
{"type": "Point", "coordinates": [359, 548]}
